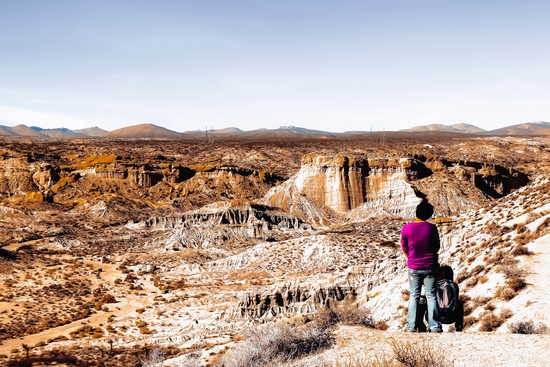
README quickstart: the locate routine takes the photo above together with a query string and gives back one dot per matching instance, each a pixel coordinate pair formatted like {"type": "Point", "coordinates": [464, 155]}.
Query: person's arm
{"type": "Point", "coordinates": [404, 245]}
{"type": "Point", "coordinates": [435, 243]}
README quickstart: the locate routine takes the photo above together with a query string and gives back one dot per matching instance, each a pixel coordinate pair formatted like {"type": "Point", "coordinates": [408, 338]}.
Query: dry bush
{"type": "Point", "coordinates": [276, 345]}
{"type": "Point", "coordinates": [505, 293]}
{"type": "Point", "coordinates": [407, 354]}
{"type": "Point", "coordinates": [478, 270]}
{"type": "Point", "coordinates": [6, 267]}
{"type": "Point", "coordinates": [491, 321]}
{"type": "Point", "coordinates": [345, 313]}
{"type": "Point", "coordinates": [192, 359]}
{"type": "Point", "coordinates": [515, 281]}
{"type": "Point", "coordinates": [525, 238]}
{"type": "Point", "coordinates": [520, 227]}
{"type": "Point", "coordinates": [461, 277]}
{"type": "Point", "coordinates": [497, 257]}
{"type": "Point", "coordinates": [528, 327]}
{"type": "Point", "coordinates": [492, 228]}
{"type": "Point", "coordinates": [543, 227]}
{"type": "Point", "coordinates": [469, 321]}
{"type": "Point", "coordinates": [466, 302]}
{"type": "Point", "coordinates": [472, 281]}
{"type": "Point", "coordinates": [521, 250]}
{"type": "Point", "coordinates": [479, 301]}
{"type": "Point", "coordinates": [510, 271]}
{"type": "Point", "coordinates": [412, 354]}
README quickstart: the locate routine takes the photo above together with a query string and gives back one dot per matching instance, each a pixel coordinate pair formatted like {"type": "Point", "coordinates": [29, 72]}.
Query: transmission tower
{"type": "Point", "coordinates": [383, 137]}
{"type": "Point", "coordinates": [209, 135]}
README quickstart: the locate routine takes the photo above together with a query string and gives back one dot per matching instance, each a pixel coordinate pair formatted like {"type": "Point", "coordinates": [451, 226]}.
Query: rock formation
{"type": "Point", "coordinates": [393, 186]}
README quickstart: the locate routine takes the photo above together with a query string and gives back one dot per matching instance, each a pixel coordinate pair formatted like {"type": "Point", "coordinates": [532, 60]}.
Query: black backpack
{"type": "Point", "coordinates": [447, 297]}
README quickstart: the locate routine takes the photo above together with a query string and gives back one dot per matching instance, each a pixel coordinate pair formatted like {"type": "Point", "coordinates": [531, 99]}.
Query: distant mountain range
{"type": "Point", "coordinates": [150, 131]}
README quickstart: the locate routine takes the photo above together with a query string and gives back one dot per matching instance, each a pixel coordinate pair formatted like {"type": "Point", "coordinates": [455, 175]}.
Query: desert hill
{"type": "Point", "coordinates": [5, 130]}
{"type": "Point", "coordinates": [190, 247]}
{"type": "Point", "coordinates": [92, 131]}
{"type": "Point", "coordinates": [456, 128]}
{"type": "Point", "coordinates": [142, 131]}
{"type": "Point", "coordinates": [529, 128]}
{"type": "Point", "coordinates": [24, 130]}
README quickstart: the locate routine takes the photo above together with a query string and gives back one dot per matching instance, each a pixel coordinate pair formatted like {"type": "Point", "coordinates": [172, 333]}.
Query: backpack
{"type": "Point", "coordinates": [446, 295]}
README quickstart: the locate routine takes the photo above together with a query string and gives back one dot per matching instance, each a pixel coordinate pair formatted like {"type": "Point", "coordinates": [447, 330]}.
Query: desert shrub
{"type": "Point", "coordinates": [497, 257]}
{"type": "Point", "coordinates": [478, 269]}
{"type": "Point", "coordinates": [381, 325]}
{"type": "Point", "coordinates": [491, 321]}
{"type": "Point", "coordinates": [469, 321]}
{"type": "Point", "coordinates": [516, 283]}
{"type": "Point", "coordinates": [465, 299]}
{"type": "Point", "coordinates": [461, 277]}
{"type": "Point", "coordinates": [472, 281]}
{"type": "Point", "coordinates": [6, 267]}
{"type": "Point", "coordinates": [407, 354]}
{"type": "Point", "coordinates": [510, 271]}
{"type": "Point", "coordinates": [154, 358]}
{"type": "Point", "coordinates": [505, 293]}
{"type": "Point", "coordinates": [192, 359]}
{"type": "Point", "coordinates": [520, 227]}
{"type": "Point", "coordinates": [347, 314]}
{"type": "Point", "coordinates": [275, 345]}
{"type": "Point", "coordinates": [520, 250]}
{"type": "Point", "coordinates": [527, 327]}
{"type": "Point", "coordinates": [412, 354]}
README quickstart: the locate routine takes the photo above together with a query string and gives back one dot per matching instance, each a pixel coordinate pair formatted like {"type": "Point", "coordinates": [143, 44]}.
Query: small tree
{"type": "Point", "coordinates": [27, 349]}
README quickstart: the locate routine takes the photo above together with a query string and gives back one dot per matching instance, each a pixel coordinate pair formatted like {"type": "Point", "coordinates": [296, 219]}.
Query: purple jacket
{"type": "Point", "coordinates": [421, 241]}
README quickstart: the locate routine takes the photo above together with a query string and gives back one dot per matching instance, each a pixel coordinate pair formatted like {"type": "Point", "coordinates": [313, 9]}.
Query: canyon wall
{"type": "Point", "coordinates": [368, 186]}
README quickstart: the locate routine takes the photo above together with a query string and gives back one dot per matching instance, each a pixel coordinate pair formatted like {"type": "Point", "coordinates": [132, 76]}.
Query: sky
{"type": "Point", "coordinates": [326, 65]}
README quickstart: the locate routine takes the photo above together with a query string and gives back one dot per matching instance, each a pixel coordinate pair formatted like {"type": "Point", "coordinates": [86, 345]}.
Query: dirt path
{"type": "Point", "coordinates": [538, 280]}
{"type": "Point", "coordinates": [126, 306]}
{"type": "Point", "coordinates": [122, 308]}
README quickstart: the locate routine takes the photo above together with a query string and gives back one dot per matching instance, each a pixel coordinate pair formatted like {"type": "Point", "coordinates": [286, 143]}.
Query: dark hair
{"type": "Point", "coordinates": [446, 272]}
{"type": "Point", "coordinates": [424, 210]}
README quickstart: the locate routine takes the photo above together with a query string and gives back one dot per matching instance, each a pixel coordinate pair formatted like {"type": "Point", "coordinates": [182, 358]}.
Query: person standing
{"type": "Point", "coordinates": [420, 244]}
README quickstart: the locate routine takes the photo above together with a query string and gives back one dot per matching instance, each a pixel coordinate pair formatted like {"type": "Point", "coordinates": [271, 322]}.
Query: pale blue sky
{"type": "Point", "coordinates": [329, 65]}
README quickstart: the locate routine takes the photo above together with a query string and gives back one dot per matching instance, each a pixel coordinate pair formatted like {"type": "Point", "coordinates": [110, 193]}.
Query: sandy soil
{"type": "Point", "coordinates": [466, 349]}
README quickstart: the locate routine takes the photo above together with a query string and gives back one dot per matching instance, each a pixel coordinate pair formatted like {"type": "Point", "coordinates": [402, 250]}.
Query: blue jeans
{"type": "Point", "coordinates": [417, 279]}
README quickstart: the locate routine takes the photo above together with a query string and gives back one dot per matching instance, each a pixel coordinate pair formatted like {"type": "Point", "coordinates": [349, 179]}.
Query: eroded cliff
{"type": "Point", "coordinates": [392, 185]}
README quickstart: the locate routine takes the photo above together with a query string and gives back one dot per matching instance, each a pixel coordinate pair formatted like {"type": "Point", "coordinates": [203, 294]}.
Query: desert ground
{"type": "Point", "coordinates": [114, 251]}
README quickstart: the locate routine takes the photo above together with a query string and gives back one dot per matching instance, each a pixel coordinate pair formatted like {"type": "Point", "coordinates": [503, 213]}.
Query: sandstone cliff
{"type": "Point", "coordinates": [368, 186]}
